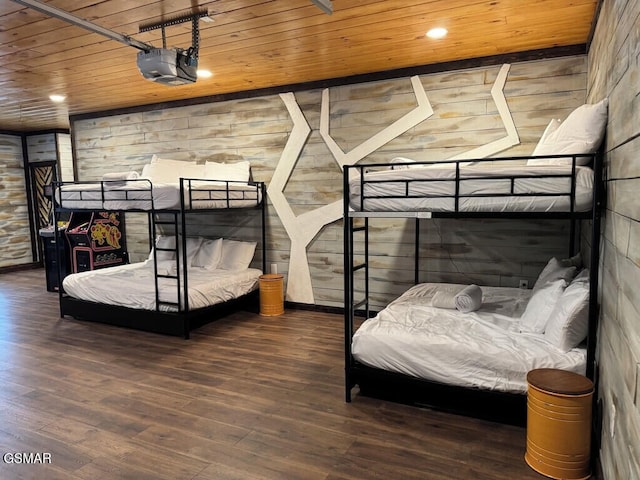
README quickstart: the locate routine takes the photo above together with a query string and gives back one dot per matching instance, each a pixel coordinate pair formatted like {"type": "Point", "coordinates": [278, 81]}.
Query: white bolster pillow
{"type": "Point", "coordinates": [444, 299]}
{"type": "Point", "coordinates": [469, 299]}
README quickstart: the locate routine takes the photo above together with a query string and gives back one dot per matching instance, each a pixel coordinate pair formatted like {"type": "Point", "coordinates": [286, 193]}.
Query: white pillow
{"type": "Point", "coordinates": [568, 324]}
{"type": "Point", "coordinates": [238, 171]}
{"type": "Point", "coordinates": [160, 173]}
{"type": "Point", "coordinates": [163, 241]}
{"type": "Point", "coordinates": [575, 261]}
{"type": "Point", "coordinates": [583, 276]}
{"type": "Point", "coordinates": [582, 132]}
{"type": "Point", "coordinates": [209, 254]}
{"type": "Point", "coordinates": [169, 162]}
{"type": "Point", "coordinates": [236, 255]}
{"type": "Point", "coordinates": [193, 245]}
{"type": "Point", "coordinates": [541, 304]}
{"type": "Point", "coordinates": [162, 170]}
{"type": "Point", "coordinates": [191, 170]}
{"type": "Point", "coordinates": [554, 270]}
{"type": "Point", "coordinates": [551, 127]}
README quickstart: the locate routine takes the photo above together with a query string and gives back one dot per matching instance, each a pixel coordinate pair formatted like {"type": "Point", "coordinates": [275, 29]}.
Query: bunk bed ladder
{"type": "Point", "coordinates": [350, 268]}
{"type": "Point", "coordinates": [173, 225]}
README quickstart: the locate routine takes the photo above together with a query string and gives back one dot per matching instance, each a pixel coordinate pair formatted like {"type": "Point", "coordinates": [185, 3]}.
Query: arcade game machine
{"type": "Point", "coordinates": [96, 240]}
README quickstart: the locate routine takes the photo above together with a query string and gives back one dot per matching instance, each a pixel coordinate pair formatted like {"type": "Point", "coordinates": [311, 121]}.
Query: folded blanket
{"type": "Point", "coordinates": [120, 176]}
{"type": "Point", "coordinates": [444, 299]}
{"type": "Point", "coordinates": [469, 299]}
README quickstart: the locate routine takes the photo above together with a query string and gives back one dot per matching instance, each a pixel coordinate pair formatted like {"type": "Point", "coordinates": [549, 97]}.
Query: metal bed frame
{"type": "Point", "coordinates": [494, 405]}
{"type": "Point", "coordinates": [182, 319]}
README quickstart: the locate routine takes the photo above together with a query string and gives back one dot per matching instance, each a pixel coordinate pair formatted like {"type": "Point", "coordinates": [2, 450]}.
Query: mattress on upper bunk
{"type": "Point", "coordinates": [143, 195]}
{"type": "Point", "coordinates": [482, 349]}
{"type": "Point", "coordinates": [513, 188]}
{"type": "Point", "coordinates": [133, 285]}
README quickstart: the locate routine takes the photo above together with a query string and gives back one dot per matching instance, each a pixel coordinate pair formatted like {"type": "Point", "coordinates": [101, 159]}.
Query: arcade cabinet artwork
{"type": "Point", "coordinates": [96, 240]}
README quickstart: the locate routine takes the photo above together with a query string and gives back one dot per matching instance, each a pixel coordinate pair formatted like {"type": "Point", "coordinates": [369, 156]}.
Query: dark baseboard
{"type": "Point", "coordinates": [18, 268]}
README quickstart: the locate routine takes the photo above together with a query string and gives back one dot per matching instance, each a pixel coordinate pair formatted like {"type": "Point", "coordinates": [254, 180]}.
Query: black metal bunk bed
{"type": "Point", "coordinates": [195, 196]}
{"type": "Point", "coordinates": [494, 405]}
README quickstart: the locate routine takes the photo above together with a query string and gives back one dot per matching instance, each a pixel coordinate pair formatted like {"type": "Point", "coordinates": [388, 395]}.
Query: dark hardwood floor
{"type": "Point", "coordinates": [247, 397]}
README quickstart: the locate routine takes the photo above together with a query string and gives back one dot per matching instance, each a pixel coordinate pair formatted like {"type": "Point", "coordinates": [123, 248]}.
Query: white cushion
{"type": "Point", "coordinates": [163, 241]}
{"type": "Point", "coordinates": [166, 241]}
{"type": "Point", "coordinates": [554, 270]}
{"type": "Point", "coordinates": [162, 170]}
{"type": "Point", "coordinates": [238, 171]}
{"type": "Point", "coordinates": [551, 127]}
{"type": "Point", "coordinates": [541, 304]}
{"type": "Point", "coordinates": [168, 161]}
{"type": "Point", "coordinates": [568, 324]}
{"type": "Point", "coordinates": [209, 254]}
{"type": "Point", "coordinates": [582, 132]}
{"type": "Point", "coordinates": [191, 170]}
{"type": "Point", "coordinates": [193, 245]}
{"type": "Point", "coordinates": [583, 276]}
{"type": "Point", "coordinates": [160, 173]}
{"type": "Point", "coordinates": [236, 255]}
{"type": "Point", "coordinates": [575, 261]}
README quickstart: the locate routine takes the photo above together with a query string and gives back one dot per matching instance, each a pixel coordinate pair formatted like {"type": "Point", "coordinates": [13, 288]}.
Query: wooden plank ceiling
{"type": "Point", "coordinates": [253, 44]}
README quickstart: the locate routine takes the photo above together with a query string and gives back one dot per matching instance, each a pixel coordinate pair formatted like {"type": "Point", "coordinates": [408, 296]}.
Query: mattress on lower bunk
{"type": "Point", "coordinates": [133, 285]}
{"type": "Point", "coordinates": [481, 189]}
{"type": "Point", "coordinates": [481, 349]}
{"type": "Point", "coordinates": [142, 195]}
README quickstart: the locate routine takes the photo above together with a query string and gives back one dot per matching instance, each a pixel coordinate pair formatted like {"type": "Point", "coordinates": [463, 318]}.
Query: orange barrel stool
{"type": "Point", "coordinates": [271, 294]}
{"type": "Point", "coordinates": [559, 423]}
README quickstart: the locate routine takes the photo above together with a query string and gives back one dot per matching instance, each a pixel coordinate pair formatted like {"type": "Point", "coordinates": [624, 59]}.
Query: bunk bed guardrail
{"type": "Point", "coordinates": [196, 196]}
{"type": "Point", "coordinates": [356, 221]}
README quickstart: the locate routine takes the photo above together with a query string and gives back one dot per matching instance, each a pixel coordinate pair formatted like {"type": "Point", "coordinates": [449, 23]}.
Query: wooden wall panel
{"type": "Point", "coordinates": [15, 239]}
{"type": "Point", "coordinates": [65, 157]}
{"type": "Point", "coordinates": [614, 72]}
{"type": "Point", "coordinates": [256, 129]}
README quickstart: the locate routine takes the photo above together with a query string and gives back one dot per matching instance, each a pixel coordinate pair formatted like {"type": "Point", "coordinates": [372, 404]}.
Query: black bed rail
{"type": "Point", "coordinates": [195, 196]}
{"type": "Point", "coordinates": [351, 213]}
{"type": "Point", "coordinates": [94, 195]}
{"type": "Point", "coordinates": [140, 194]}
{"type": "Point", "coordinates": [462, 173]}
{"type": "Point", "coordinates": [200, 194]}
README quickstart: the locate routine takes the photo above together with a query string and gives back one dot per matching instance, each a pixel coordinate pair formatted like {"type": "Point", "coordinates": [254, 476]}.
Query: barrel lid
{"type": "Point", "coordinates": [559, 381]}
{"type": "Point", "coordinates": [271, 276]}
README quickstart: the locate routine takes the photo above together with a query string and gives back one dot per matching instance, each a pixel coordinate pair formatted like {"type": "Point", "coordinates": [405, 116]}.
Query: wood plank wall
{"type": "Point", "coordinates": [614, 70]}
{"type": "Point", "coordinates": [465, 116]}
{"type": "Point", "coordinates": [53, 146]}
{"type": "Point", "coordinates": [15, 239]}
{"type": "Point", "coordinates": [65, 157]}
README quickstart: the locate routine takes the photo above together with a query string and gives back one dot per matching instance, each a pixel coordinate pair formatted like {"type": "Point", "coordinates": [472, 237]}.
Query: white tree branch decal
{"type": "Point", "coordinates": [422, 111]}
{"type": "Point", "coordinates": [302, 229]}
{"type": "Point", "coordinates": [512, 138]}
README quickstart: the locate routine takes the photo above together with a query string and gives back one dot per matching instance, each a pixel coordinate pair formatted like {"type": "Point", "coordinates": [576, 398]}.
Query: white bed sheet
{"type": "Point", "coordinates": [137, 195]}
{"type": "Point", "coordinates": [482, 349]}
{"type": "Point", "coordinates": [133, 285]}
{"type": "Point", "coordinates": [483, 188]}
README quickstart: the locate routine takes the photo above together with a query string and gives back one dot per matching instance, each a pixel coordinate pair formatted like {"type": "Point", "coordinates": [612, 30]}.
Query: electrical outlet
{"type": "Point", "coordinates": [612, 421]}
{"type": "Point", "coordinates": [524, 283]}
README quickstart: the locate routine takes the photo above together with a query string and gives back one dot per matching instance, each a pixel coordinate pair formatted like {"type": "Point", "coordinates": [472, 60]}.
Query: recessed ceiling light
{"type": "Point", "coordinates": [204, 74]}
{"type": "Point", "coordinates": [438, 32]}
{"type": "Point", "coordinates": [57, 98]}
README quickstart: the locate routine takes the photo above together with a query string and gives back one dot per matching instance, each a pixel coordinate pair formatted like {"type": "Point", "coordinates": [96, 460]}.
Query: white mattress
{"type": "Point", "coordinates": [439, 181]}
{"type": "Point", "coordinates": [138, 195]}
{"type": "Point", "coordinates": [133, 285]}
{"type": "Point", "coordinates": [481, 349]}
